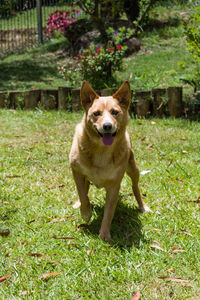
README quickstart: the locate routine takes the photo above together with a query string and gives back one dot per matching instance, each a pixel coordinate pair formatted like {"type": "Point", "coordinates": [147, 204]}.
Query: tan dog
{"type": "Point", "coordinates": [101, 151]}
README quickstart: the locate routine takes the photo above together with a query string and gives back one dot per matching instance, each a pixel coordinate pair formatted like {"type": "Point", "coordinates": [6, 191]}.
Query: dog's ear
{"type": "Point", "coordinates": [123, 95]}
{"type": "Point", "coordinates": [87, 95]}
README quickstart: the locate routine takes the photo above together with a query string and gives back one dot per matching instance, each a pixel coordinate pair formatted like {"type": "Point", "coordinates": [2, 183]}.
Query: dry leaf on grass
{"type": "Point", "coordinates": [174, 279]}
{"type": "Point", "coordinates": [186, 232]}
{"type": "Point", "coordinates": [171, 270]}
{"type": "Point", "coordinates": [24, 293]}
{"type": "Point", "coordinates": [178, 250]}
{"type": "Point", "coordinates": [77, 204]}
{"type": "Point", "coordinates": [83, 226]}
{"type": "Point", "coordinates": [34, 254]}
{"type": "Point", "coordinates": [136, 296]}
{"type": "Point", "coordinates": [4, 278]}
{"type": "Point", "coordinates": [65, 237]}
{"type": "Point", "coordinates": [48, 275]}
{"type": "Point", "coordinates": [13, 176]}
{"type": "Point", "coordinates": [157, 247]}
{"type": "Point", "coordinates": [5, 232]}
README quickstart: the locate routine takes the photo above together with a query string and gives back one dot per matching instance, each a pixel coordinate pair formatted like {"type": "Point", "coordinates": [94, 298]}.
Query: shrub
{"type": "Point", "coordinates": [98, 66]}
{"type": "Point", "coordinates": [192, 30]}
{"type": "Point", "coordinates": [59, 20]}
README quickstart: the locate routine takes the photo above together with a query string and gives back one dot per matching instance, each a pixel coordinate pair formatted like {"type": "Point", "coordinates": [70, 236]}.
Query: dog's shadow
{"type": "Point", "coordinates": [126, 227]}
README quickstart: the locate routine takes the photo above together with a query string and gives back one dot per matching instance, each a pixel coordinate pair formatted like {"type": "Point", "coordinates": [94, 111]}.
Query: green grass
{"type": "Point", "coordinates": [37, 194]}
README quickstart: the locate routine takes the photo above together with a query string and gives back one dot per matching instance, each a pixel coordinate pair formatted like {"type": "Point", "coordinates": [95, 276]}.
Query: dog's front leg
{"type": "Point", "coordinates": [133, 173]}
{"type": "Point", "coordinates": [112, 193]}
{"type": "Point", "coordinates": [82, 185]}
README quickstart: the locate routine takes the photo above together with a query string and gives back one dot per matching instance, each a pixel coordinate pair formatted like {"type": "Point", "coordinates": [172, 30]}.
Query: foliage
{"type": "Point", "coordinates": [7, 7]}
{"type": "Point", "coordinates": [70, 71]}
{"type": "Point", "coordinates": [104, 12]}
{"type": "Point", "coordinates": [192, 30]}
{"type": "Point", "coordinates": [98, 66]}
{"type": "Point", "coordinates": [59, 20]}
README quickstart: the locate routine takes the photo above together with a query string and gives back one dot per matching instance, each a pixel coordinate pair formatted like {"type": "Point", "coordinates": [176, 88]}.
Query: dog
{"type": "Point", "coordinates": [101, 152]}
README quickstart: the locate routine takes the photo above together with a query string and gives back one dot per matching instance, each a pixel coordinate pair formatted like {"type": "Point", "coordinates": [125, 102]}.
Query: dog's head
{"type": "Point", "coordinates": [106, 117]}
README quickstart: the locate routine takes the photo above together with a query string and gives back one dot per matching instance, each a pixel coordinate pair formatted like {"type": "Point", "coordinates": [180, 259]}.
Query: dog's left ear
{"type": "Point", "coordinates": [123, 95]}
{"type": "Point", "coordinates": [87, 95]}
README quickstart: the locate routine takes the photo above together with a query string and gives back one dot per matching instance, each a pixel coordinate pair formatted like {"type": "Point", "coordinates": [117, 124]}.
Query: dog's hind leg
{"type": "Point", "coordinates": [82, 185]}
{"type": "Point", "coordinates": [133, 172]}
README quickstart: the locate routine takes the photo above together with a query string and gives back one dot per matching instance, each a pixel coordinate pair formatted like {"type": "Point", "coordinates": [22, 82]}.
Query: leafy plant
{"type": "Point", "coordinates": [192, 30]}
{"type": "Point", "coordinates": [59, 20]}
{"type": "Point", "coordinates": [71, 73]}
{"type": "Point", "coordinates": [98, 66]}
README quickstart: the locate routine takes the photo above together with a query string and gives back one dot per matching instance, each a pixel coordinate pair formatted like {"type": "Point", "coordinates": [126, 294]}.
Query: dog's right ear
{"type": "Point", "coordinates": [87, 95]}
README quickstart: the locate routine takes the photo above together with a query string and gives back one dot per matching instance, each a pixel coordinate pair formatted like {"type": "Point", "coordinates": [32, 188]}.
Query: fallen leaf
{"type": "Point", "coordinates": [48, 275]}
{"type": "Point", "coordinates": [83, 226]}
{"type": "Point", "coordinates": [69, 217]}
{"type": "Point", "coordinates": [4, 278]}
{"type": "Point", "coordinates": [61, 185]}
{"type": "Point", "coordinates": [178, 250]}
{"type": "Point", "coordinates": [31, 221]}
{"type": "Point", "coordinates": [131, 234]}
{"type": "Point", "coordinates": [5, 232]}
{"type": "Point", "coordinates": [155, 229]}
{"type": "Point", "coordinates": [136, 296]}
{"type": "Point", "coordinates": [34, 254]}
{"type": "Point", "coordinates": [54, 220]}
{"type": "Point", "coordinates": [77, 204]}
{"type": "Point", "coordinates": [90, 252]}
{"type": "Point", "coordinates": [157, 242]}
{"type": "Point", "coordinates": [51, 186]}
{"type": "Point", "coordinates": [24, 293]}
{"type": "Point", "coordinates": [173, 279]}
{"type": "Point", "coordinates": [150, 146]}
{"type": "Point", "coordinates": [171, 270]}
{"type": "Point", "coordinates": [65, 237]}
{"type": "Point", "coordinates": [12, 176]}
{"type": "Point", "coordinates": [157, 247]}
{"type": "Point", "coordinates": [184, 152]}
{"type": "Point", "coordinates": [186, 232]}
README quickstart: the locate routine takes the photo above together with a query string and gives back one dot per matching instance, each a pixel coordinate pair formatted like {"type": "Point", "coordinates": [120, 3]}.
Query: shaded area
{"type": "Point", "coordinates": [126, 227]}
{"type": "Point", "coordinates": [25, 71]}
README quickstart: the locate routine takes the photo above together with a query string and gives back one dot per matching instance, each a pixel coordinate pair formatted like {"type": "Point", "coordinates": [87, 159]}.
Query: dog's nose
{"type": "Point", "coordinates": [107, 126]}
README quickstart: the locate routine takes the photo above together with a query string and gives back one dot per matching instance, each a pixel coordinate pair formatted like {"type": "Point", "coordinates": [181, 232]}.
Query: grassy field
{"type": "Point", "coordinates": [41, 233]}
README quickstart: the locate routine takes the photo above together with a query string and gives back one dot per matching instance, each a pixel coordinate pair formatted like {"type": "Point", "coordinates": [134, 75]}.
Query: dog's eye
{"type": "Point", "coordinates": [97, 113]}
{"type": "Point", "coordinates": [114, 112]}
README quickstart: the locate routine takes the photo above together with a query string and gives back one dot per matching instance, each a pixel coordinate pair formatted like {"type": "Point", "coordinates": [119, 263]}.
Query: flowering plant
{"type": "Point", "coordinates": [59, 20]}
{"type": "Point", "coordinates": [98, 66]}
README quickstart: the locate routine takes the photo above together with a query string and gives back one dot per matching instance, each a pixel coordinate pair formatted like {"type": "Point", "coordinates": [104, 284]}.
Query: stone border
{"type": "Point", "coordinates": [157, 102]}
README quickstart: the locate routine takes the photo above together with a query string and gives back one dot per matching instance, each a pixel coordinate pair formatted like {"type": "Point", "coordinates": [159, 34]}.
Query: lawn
{"type": "Point", "coordinates": [42, 233]}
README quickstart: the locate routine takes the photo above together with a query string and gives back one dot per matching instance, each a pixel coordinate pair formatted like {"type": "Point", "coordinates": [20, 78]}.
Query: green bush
{"type": "Point", "coordinates": [192, 30]}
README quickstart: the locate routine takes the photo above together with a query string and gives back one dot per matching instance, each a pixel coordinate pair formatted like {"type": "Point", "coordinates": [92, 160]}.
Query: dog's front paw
{"type": "Point", "coordinates": [145, 208]}
{"type": "Point", "coordinates": [105, 235]}
{"type": "Point", "coordinates": [86, 213]}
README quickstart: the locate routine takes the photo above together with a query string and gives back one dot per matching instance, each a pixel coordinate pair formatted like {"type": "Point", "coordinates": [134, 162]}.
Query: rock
{"type": "Point", "coordinates": [133, 45]}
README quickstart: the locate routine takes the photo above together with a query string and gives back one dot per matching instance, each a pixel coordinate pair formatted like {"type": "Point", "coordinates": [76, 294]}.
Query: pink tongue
{"type": "Point", "coordinates": [107, 139]}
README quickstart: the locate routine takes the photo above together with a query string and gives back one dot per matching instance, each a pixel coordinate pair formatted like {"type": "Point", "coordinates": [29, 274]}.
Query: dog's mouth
{"type": "Point", "coordinates": [107, 138]}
